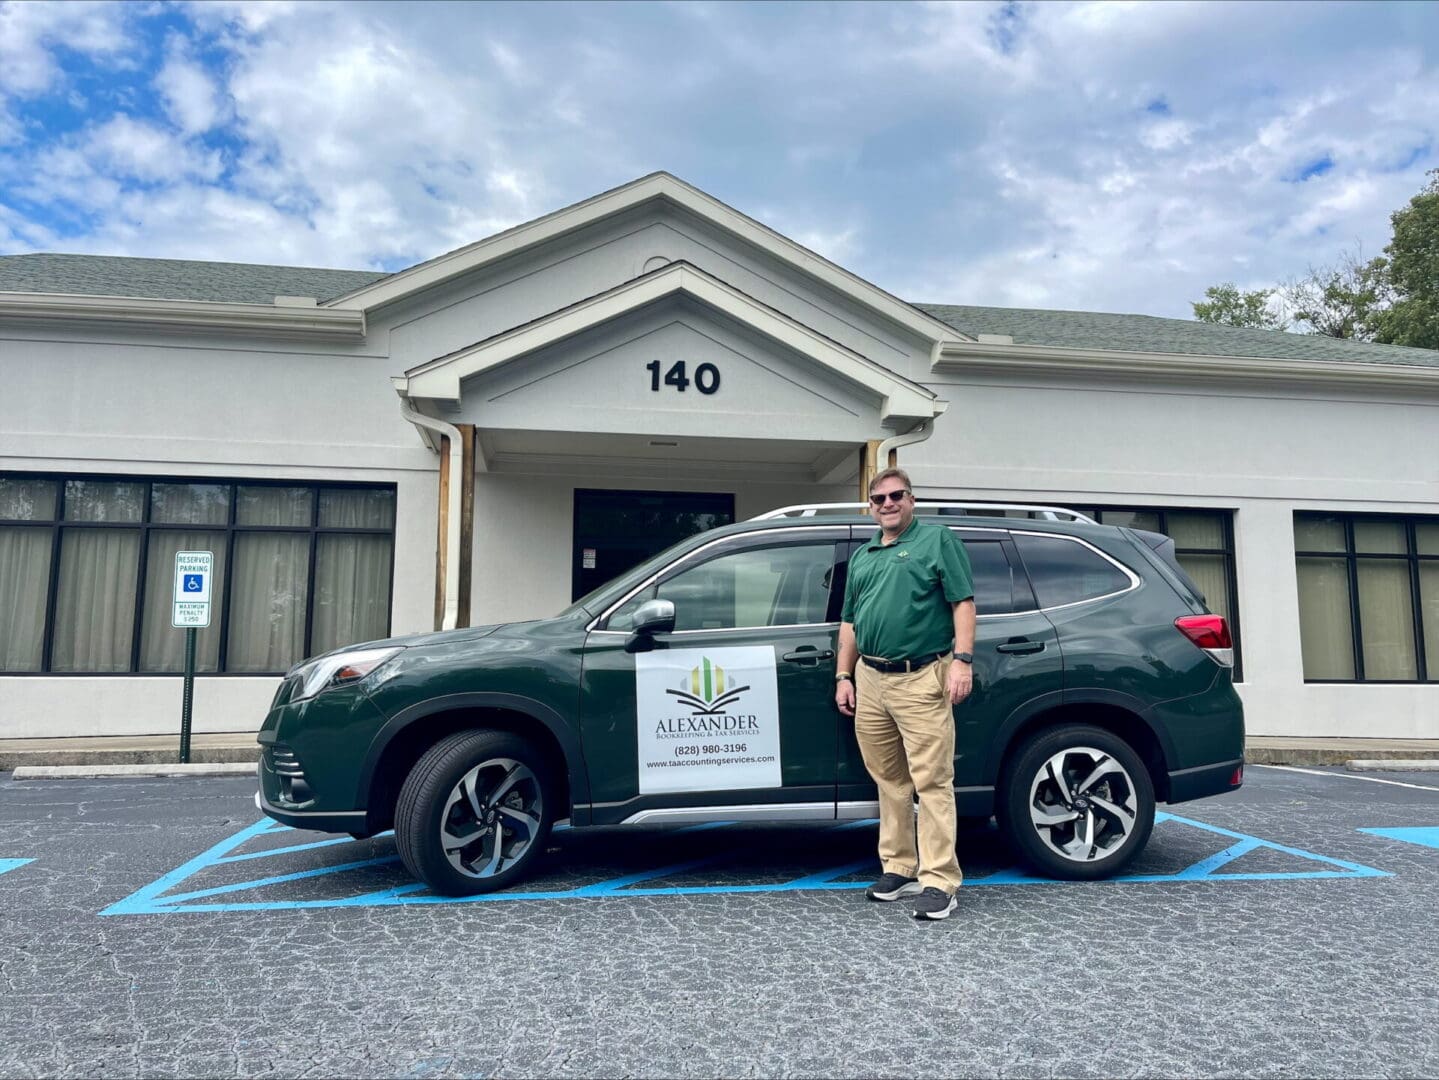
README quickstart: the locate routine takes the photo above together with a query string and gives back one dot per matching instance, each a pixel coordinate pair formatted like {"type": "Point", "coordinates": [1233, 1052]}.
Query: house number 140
{"type": "Point", "coordinates": [706, 380]}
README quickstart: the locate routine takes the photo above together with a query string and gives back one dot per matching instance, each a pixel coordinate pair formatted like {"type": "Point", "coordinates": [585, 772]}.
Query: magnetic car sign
{"type": "Point", "coordinates": [708, 719]}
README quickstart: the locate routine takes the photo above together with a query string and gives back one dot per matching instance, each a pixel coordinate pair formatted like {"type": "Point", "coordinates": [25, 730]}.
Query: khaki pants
{"type": "Point", "coordinates": [904, 724]}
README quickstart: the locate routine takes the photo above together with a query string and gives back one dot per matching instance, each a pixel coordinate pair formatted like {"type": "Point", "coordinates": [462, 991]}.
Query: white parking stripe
{"type": "Point", "coordinates": [1345, 776]}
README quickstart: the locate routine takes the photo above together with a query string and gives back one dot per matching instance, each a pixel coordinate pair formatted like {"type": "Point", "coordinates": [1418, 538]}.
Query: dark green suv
{"type": "Point", "coordinates": [700, 686]}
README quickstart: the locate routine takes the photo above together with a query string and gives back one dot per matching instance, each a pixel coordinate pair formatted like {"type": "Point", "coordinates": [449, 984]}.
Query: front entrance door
{"type": "Point", "coordinates": [615, 530]}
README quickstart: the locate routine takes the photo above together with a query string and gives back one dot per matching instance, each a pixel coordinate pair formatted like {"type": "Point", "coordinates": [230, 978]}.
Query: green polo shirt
{"type": "Point", "coordinates": [900, 597]}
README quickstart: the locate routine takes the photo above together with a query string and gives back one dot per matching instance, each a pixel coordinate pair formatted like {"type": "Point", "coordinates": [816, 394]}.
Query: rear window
{"type": "Point", "coordinates": [1065, 572]}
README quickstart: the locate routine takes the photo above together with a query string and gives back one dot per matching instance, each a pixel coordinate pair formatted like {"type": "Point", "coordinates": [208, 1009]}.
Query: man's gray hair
{"type": "Point", "coordinates": [891, 474]}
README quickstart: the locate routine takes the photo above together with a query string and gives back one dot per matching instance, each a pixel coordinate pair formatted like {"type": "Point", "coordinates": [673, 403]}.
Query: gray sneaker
{"type": "Point", "coordinates": [892, 887]}
{"type": "Point", "coordinates": [934, 904]}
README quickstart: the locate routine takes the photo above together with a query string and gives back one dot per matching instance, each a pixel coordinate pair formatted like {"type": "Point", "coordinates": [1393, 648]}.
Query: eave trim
{"type": "Point", "coordinates": [957, 358]}
{"type": "Point", "coordinates": [263, 319]}
{"type": "Point", "coordinates": [440, 379]}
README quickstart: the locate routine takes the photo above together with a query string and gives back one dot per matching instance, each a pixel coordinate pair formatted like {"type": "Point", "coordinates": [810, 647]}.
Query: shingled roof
{"type": "Point", "coordinates": [246, 283]}
{"type": "Point", "coordinates": [1149, 333]}
{"type": "Point", "coordinates": [174, 279]}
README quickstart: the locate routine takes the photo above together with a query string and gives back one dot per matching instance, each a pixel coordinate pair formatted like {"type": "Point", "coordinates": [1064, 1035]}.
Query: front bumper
{"type": "Point", "coordinates": [352, 821]}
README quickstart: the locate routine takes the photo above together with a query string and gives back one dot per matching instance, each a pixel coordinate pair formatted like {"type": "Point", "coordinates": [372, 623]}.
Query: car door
{"type": "Point", "coordinates": [735, 707]}
{"type": "Point", "coordinates": [1016, 660]}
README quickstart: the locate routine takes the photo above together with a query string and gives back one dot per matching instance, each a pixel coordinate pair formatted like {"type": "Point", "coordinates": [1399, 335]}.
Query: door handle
{"type": "Point", "coordinates": [1020, 647]}
{"type": "Point", "coordinates": [808, 655]}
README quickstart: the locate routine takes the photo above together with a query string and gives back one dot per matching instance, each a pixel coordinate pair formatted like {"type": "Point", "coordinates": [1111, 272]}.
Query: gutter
{"type": "Point", "coordinates": [450, 542]}
{"type": "Point", "coordinates": [286, 318]}
{"type": "Point", "coordinates": [1000, 358]}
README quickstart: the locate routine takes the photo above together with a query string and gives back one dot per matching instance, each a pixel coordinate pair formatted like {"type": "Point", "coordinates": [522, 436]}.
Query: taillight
{"type": "Point", "coordinates": [1210, 633]}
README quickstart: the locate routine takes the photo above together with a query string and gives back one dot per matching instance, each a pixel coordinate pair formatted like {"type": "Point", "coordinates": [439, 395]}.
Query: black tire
{"type": "Point", "coordinates": [459, 850]}
{"type": "Point", "coordinates": [1091, 833]}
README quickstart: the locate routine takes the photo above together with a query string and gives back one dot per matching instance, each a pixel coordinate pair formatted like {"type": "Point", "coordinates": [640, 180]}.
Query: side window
{"type": "Point", "coordinates": [993, 577]}
{"type": "Point", "coordinates": [1064, 572]}
{"type": "Point", "coordinates": [772, 586]}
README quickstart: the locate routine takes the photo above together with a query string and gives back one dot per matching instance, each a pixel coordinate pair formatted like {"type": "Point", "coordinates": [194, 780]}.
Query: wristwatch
{"type": "Point", "coordinates": [964, 657]}
{"type": "Point", "coordinates": [842, 676]}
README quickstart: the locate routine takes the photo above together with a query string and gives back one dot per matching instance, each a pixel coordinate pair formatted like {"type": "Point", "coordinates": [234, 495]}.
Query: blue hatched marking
{"type": "Point", "coordinates": [7, 865]}
{"type": "Point", "coordinates": [1427, 835]}
{"type": "Point", "coordinates": [156, 897]}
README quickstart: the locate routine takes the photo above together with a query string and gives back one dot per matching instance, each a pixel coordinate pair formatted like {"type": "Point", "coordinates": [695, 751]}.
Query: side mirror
{"type": "Point", "coordinates": [651, 618]}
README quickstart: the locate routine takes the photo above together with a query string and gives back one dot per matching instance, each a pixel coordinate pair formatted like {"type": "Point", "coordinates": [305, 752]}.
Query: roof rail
{"type": "Point", "coordinates": [1042, 513]}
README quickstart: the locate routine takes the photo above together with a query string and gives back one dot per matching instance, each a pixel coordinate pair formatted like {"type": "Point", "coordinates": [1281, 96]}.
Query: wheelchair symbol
{"type": "Point", "coordinates": [194, 583]}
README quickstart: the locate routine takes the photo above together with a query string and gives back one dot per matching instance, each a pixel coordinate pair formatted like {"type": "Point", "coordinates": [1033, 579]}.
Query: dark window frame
{"type": "Point", "coordinates": [1411, 557]}
{"type": "Point", "coordinates": [221, 610]}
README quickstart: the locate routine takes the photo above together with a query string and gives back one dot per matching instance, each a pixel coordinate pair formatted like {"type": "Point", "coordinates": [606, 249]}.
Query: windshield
{"type": "Point", "coordinates": [591, 601]}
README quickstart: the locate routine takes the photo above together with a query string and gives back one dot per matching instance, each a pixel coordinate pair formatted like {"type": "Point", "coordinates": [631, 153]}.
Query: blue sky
{"type": "Point", "coordinates": [1115, 156]}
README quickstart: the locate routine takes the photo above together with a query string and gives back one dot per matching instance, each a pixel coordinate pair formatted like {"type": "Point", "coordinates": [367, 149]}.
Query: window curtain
{"type": "Point", "coordinates": [162, 646]}
{"type": "Point", "coordinates": [1429, 609]}
{"type": "Point", "coordinates": [95, 606]}
{"type": "Point", "coordinates": [24, 583]}
{"type": "Point", "coordinates": [352, 573]}
{"type": "Point", "coordinates": [352, 590]}
{"type": "Point", "coordinates": [1326, 633]}
{"type": "Point", "coordinates": [272, 578]}
{"type": "Point", "coordinates": [1211, 575]}
{"type": "Point", "coordinates": [1386, 616]}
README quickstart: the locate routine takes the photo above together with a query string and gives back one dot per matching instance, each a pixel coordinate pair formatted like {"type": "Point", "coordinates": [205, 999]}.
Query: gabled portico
{"type": "Point", "coordinates": [675, 378]}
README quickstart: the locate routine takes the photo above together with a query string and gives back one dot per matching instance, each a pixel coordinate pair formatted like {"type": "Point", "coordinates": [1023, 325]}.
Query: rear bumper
{"type": "Point", "coordinates": [1206, 780]}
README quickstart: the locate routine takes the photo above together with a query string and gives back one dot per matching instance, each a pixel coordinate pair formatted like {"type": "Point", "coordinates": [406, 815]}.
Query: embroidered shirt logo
{"type": "Point", "coordinates": [902, 555]}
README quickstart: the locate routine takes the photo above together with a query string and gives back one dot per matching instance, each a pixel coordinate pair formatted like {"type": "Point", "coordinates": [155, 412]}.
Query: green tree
{"type": "Point", "coordinates": [1343, 301]}
{"type": "Point", "coordinates": [1412, 317]}
{"type": "Point", "coordinates": [1228, 305]}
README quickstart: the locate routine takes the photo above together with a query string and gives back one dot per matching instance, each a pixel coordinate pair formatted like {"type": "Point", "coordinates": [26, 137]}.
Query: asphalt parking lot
{"type": "Point", "coordinates": [160, 928]}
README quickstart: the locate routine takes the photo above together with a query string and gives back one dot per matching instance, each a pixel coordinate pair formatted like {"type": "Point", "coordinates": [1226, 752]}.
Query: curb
{"type": "Point", "coordinates": [87, 772]}
{"type": "Point", "coordinates": [1392, 765]}
{"type": "Point", "coordinates": [1259, 755]}
{"type": "Point", "coordinates": [207, 755]}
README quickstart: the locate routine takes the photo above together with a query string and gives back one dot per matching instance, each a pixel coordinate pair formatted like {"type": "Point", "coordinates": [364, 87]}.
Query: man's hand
{"type": "Point", "coordinates": [844, 696]}
{"type": "Point", "coordinates": [961, 681]}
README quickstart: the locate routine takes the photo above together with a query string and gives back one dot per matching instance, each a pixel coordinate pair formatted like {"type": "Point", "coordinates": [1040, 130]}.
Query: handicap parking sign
{"type": "Point", "coordinates": [193, 570]}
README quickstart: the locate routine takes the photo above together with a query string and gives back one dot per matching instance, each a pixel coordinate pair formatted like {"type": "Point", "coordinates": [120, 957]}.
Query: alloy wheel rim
{"type": "Point", "coordinates": [491, 818]}
{"type": "Point", "coordinates": [1082, 804]}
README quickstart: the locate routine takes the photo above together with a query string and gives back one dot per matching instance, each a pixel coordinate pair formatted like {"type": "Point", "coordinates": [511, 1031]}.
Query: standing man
{"type": "Point", "coordinates": [908, 604]}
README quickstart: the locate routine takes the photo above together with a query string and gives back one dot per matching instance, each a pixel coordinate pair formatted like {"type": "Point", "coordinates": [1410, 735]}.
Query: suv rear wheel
{"type": "Point", "coordinates": [474, 812]}
{"type": "Point", "coordinates": [1077, 802]}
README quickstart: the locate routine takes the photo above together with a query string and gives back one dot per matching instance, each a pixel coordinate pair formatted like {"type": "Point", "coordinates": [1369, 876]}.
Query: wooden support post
{"type": "Point", "coordinates": [442, 539]}
{"type": "Point", "coordinates": [868, 466]}
{"type": "Point", "coordinates": [467, 519]}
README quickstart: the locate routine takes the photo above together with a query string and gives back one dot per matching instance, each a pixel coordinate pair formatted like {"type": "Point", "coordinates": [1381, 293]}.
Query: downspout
{"type": "Point", "coordinates": [451, 548]}
{"type": "Point", "coordinates": [917, 434]}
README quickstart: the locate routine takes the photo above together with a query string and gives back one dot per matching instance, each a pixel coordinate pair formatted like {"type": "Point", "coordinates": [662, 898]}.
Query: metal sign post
{"type": "Point", "coordinates": [193, 573]}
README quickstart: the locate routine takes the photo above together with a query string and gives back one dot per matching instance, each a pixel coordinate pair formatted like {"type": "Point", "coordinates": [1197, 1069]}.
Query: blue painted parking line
{"type": "Point", "coordinates": [1428, 835]}
{"type": "Point", "coordinates": [7, 865]}
{"type": "Point", "coordinates": [159, 897]}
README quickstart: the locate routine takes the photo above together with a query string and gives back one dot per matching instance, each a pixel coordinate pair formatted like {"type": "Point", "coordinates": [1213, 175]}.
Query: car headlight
{"type": "Point", "coordinates": [342, 669]}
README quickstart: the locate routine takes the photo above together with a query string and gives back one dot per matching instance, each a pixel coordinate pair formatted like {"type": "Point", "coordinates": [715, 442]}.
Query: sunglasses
{"type": "Point", "coordinates": [893, 496]}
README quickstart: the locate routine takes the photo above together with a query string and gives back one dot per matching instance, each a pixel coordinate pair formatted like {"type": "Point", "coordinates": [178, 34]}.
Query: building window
{"type": "Point", "coordinates": [1368, 597]}
{"type": "Point", "coordinates": [86, 571]}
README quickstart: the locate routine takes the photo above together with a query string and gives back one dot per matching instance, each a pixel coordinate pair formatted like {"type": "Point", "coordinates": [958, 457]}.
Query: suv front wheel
{"type": "Point", "coordinates": [475, 812]}
{"type": "Point", "coordinates": [1077, 802]}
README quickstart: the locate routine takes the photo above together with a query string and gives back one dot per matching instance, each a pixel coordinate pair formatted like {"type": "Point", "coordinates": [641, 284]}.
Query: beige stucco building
{"type": "Point", "coordinates": [485, 435]}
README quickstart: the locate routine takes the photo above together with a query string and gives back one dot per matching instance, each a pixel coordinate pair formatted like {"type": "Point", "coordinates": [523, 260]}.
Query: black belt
{"type": "Point", "coordinates": [892, 667]}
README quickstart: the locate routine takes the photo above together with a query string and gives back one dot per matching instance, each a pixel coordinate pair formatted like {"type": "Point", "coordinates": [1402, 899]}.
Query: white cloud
{"type": "Point", "coordinates": [1106, 156]}
{"type": "Point", "coordinates": [188, 92]}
